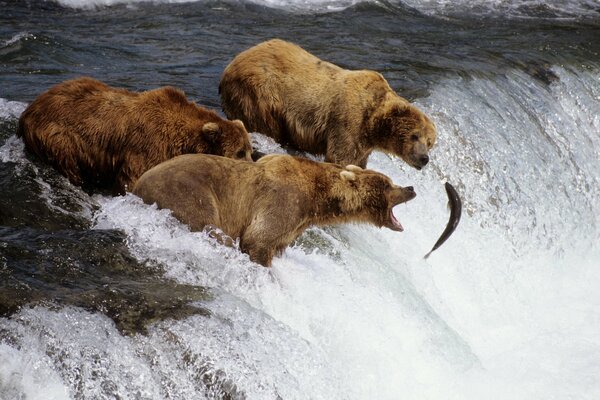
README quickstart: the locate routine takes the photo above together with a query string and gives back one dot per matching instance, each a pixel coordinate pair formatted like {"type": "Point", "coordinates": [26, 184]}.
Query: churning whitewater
{"type": "Point", "coordinates": [106, 297]}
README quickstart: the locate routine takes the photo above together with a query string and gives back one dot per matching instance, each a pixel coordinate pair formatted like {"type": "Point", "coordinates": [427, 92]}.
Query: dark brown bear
{"type": "Point", "coordinates": [269, 203]}
{"type": "Point", "coordinates": [279, 89]}
{"type": "Point", "coordinates": [106, 137]}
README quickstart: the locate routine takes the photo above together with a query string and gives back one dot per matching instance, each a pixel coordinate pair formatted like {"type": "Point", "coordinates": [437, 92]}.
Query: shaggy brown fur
{"type": "Point", "coordinates": [106, 137]}
{"type": "Point", "coordinates": [269, 203]}
{"type": "Point", "coordinates": [279, 89]}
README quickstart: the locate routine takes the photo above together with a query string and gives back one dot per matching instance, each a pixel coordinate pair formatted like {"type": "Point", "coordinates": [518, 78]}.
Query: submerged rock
{"type": "Point", "coordinates": [542, 71]}
{"type": "Point", "coordinates": [92, 270]}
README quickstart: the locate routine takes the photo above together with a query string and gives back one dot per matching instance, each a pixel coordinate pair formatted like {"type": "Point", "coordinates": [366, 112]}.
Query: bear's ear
{"type": "Point", "coordinates": [401, 111]}
{"type": "Point", "coordinates": [239, 123]}
{"type": "Point", "coordinates": [211, 130]}
{"type": "Point", "coordinates": [353, 168]}
{"type": "Point", "coordinates": [348, 176]}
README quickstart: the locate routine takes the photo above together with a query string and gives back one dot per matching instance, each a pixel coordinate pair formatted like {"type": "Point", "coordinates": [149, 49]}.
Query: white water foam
{"type": "Point", "coordinates": [13, 150]}
{"type": "Point", "coordinates": [90, 351]}
{"type": "Point", "coordinates": [16, 39]}
{"type": "Point", "coordinates": [12, 45]}
{"type": "Point", "coordinates": [511, 8]}
{"type": "Point", "coordinates": [508, 308]}
{"type": "Point", "coordinates": [503, 310]}
{"type": "Point", "coordinates": [527, 164]}
{"type": "Point", "coordinates": [554, 8]}
{"type": "Point", "coordinates": [28, 374]}
{"type": "Point", "coordinates": [11, 109]}
{"type": "Point", "coordinates": [92, 4]}
{"type": "Point", "coordinates": [292, 5]}
{"type": "Point", "coordinates": [266, 144]}
{"type": "Point", "coordinates": [305, 292]}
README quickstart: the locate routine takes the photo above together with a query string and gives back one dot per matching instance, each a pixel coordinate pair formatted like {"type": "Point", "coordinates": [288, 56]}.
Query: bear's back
{"type": "Point", "coordinates": [85, 91]}
{"type": "Point", "coordinates": [67, 102]}
{"type": "Point", "coordinates": [173, 103]}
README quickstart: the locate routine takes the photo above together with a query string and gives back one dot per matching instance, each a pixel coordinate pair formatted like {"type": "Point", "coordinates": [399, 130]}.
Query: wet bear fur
{"type": "Point", "coordinates": [104, 137]}
{"type": "Point", "coordinates": [269, 203]}
{"type": "Point", "coordinates": [280, 90]}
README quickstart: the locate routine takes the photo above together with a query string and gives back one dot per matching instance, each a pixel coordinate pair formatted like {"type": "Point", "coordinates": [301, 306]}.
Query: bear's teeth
{"type": "Point", "coordinates": [395, 222]}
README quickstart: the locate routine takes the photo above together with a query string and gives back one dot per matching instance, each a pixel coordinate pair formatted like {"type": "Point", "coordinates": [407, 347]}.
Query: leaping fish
{"type": "Point", "coordinates": [455, 206]}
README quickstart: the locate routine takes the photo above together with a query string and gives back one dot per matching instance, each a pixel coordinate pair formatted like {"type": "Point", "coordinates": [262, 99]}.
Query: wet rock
{"type": "Point", "coordinates": [214, 382]}
{"type": "Point", "coordinates": [539, 70]}
{"type": "Point", "coordinates": [92, 270]}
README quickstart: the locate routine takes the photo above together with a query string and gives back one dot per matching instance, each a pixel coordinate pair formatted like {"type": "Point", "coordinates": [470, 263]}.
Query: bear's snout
{"type": "Point", "coordinates": [401, 195]}
{"type": "Point", "coordinates": [409, 193]}
{"type": "Point", "coordinates": [419, 156]}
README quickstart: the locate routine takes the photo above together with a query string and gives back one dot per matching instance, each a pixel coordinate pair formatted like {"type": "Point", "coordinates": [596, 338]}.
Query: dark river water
{"type": "Point", "coordinates": [107, 298]}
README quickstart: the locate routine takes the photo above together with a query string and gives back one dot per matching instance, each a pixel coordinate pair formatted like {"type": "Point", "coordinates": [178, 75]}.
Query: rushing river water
{"type": "Point", "coordinates": [108, 298]}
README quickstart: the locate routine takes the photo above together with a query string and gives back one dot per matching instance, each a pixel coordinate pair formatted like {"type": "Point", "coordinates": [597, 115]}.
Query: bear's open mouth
{"type": "Point", "coordinates": [393, 223]}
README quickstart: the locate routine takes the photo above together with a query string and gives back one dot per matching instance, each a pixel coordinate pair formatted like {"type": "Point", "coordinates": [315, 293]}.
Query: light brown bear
{"type": "Point", "coordinates": [106, 137]}
{"type": "Point", "coordinates": [269, 203]}
{"type": "Point", "coordinates": [280, 90]}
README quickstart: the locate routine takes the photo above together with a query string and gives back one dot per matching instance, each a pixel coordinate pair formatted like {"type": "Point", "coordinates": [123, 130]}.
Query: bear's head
{"type": "Point", "coordinates": [407, 132]}
{"type": "Point", "coordinates": [225, 138]}
{"type": "Point", "coordinates": [374, 196]}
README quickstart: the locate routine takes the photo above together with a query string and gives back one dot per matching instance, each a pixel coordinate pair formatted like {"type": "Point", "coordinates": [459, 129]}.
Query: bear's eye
{"type": "Point", "coordinates": [240, 154]}
{"type": "Point", "coordinates": [414, 138]}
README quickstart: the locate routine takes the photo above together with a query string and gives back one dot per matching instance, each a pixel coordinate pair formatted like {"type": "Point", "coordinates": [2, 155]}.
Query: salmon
{"type": "Point", "coordinates": [455, 205]}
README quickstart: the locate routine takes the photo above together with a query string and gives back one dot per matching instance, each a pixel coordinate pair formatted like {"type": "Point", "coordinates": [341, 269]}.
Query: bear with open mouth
{"type": "Point", "coordinates": [269, 203]}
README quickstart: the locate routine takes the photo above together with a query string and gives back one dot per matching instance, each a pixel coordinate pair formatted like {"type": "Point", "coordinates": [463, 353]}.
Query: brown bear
{"type": "Point", "coordinates": [269, 203]}
{"type": "Point", "coordinates": [106, 137]}
{"type": "Point", "coordinates": [279, 89]}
